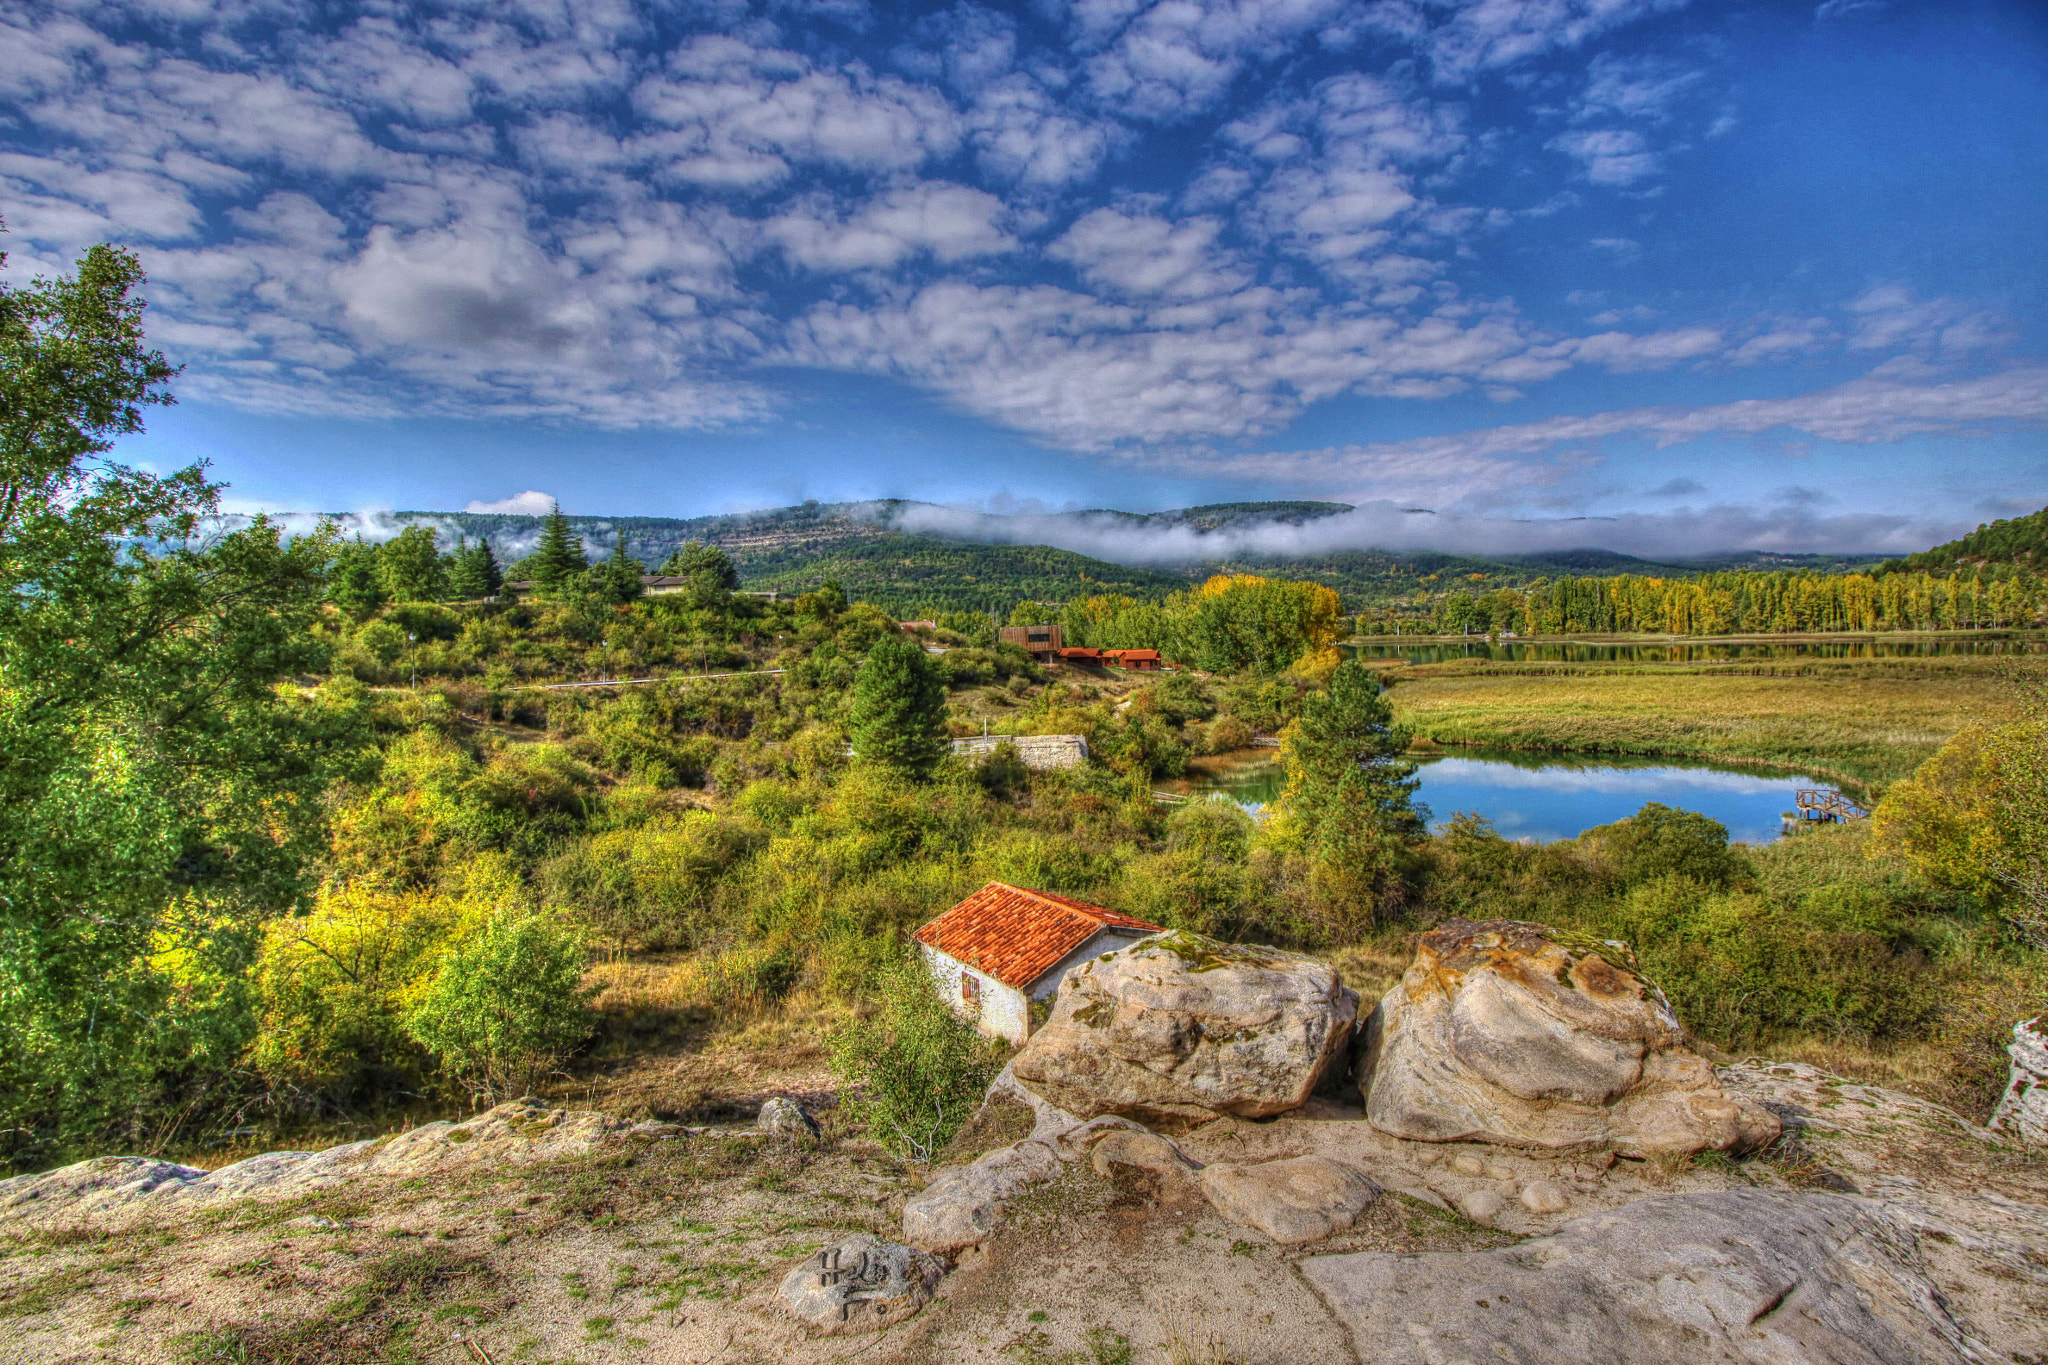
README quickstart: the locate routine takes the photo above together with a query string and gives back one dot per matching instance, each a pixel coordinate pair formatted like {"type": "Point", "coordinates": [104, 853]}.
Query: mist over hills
{"type": "Point", "coordinates": [914, 555]}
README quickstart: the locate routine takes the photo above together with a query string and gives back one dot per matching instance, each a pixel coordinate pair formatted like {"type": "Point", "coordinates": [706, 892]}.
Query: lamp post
{"type": "Point", "coordinates": [413, 640]}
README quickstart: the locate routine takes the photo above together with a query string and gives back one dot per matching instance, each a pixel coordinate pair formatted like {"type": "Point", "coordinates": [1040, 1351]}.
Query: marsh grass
{"type": "Point", "coordinates": [1867, 722]}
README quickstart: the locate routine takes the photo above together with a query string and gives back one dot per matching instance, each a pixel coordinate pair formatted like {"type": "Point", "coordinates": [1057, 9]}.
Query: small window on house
{"type": "Point", "coordinates": [970, 989]}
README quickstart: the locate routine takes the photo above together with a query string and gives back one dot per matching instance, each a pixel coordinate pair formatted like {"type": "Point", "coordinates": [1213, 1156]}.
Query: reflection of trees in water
{"type": "Point", "coordinates": [1583, 652]}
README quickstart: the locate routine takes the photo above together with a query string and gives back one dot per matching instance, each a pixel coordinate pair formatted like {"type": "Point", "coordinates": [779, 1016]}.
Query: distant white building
{"type": "Point", "coordinates": [1006, 946]}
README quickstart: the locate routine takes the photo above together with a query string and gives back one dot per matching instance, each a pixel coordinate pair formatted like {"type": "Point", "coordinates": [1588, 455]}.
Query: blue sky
{"type": "Point", "coordinates": [1663, 276]}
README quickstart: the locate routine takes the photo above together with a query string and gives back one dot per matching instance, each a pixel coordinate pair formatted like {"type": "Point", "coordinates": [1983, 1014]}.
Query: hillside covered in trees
{"type": "Point", "coordinates": [2020, 542]}
{"type": "Point", "coordinates": [865, 548]}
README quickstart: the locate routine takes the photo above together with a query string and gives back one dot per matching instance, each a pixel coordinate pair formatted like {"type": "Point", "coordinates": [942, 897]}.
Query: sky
{"type": "Point", "coordinates": [1670, 276]}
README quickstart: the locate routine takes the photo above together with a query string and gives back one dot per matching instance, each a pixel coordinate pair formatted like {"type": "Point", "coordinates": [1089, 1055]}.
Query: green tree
{"type": "Point", "coordinates": [559, 562]}
{"type": "Point", "coordinates": [898, 716]}
{"type": "Point", "coordinates": [472, 571]}
{"type": "Point", "coordinates": [156, 789]}
{"type": "Point", "coordinates": [695, 557]}
{"type": "Point", "coordinates": [618, 578]}
{"type": "Point", "coordinates": [409, 565]}
{"type": "Point", "coordinates": [352, 582]}
{"type": "Point", "coordinates": [506, 1008]}
{"type": "Point", "coordinates": [914, 1071]}
{"type": "Point", "coordinates": [1347, 802]}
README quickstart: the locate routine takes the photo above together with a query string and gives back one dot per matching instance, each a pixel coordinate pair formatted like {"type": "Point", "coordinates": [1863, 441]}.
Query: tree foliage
{"type": "Point", "coordinates": [559, 561]}
{"type": "Point", "coordinates": [914, 1070]}
{"type": "Point", "coordinates": [1347, 800]}
{"type": "Point", "coordinates": [505, 1008]}
{"type": "Point", "coordinates": [156, 787]}
{"type": "Point", "coordinates": [898, 715]}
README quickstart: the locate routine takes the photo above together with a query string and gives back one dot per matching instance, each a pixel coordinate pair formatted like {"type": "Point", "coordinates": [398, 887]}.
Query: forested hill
{"type": "Point", "coordinates": [863, 546]}
{"type": "Point", "coordinates": [2018, 541]}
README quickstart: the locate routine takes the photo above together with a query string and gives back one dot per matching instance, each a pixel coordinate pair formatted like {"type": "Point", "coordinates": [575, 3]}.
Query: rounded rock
{"type": "Point", "coordinates": [862, 1284]}
{"type": "Point", "coordinates": [1541, 1196]}
{"type": "Point", "coordinates": [783, 1117]}
{"type": "Point", "coordinates": [1481, 1206]}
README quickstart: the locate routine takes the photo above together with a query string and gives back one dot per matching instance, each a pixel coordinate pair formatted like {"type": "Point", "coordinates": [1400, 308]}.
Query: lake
{"type": "Point", "coordinates": [1544, 797]}
{"type": "Point", "coordinates": [1427, 651]}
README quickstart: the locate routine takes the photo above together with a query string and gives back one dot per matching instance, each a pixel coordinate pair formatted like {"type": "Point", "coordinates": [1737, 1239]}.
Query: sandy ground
{"type": "Point", "coordinates": [669, 1249]}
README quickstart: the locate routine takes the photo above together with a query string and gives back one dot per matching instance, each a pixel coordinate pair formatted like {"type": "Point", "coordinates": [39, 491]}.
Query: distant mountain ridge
{"type": "Point", "coordinates": [865, 546]}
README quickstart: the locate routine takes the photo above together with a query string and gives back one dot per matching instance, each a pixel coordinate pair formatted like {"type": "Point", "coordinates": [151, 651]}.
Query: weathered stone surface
{"type": "Point", "coordinates": [1482, 1206]}
{"type": "Point", "coordinates": [963, 1207]}
{"type": "Point", "coordinates": [862, 1284]}
{"type": "Point", "coordinates": [783, 1117]}
{"type": "Point", "coordinates": [1508, 1033]}
{"type": "Point", "coordinates": [1544, 1196]}
{"type": "Point", "coordinates": [1741, 1276]}
{"type": "Point", "coordinates": [1303, 1199]}
{"type": "Point", "coordinates": [2023, 1110]}
{"type": "Point", "coordinates": [523, 1130]}
{"type": "Point", "coordinates": [1183, 1027]}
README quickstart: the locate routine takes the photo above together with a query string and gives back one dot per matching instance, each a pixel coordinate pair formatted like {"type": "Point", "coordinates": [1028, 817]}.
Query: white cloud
{"type": "Point", "coordinates": [1609, 156]}
{"type": "Point", "coordinates": [950, 222]}
{"type": "Point", "coordinates": [742, 115]}
{"type": "Point", "coordinates": [527, 504]}
{"type": "Point", "coordinates": [1464, 37]}
{"type": "Point", "coordinates": [1140, 255]}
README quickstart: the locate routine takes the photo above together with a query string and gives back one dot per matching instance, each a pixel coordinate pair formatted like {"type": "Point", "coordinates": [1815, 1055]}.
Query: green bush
{"type": "Point", "coordinates": [914, 1071]}
{"type": "Point", "coordinates": [505, 1008]}
{"type": "Point", "coordinates": [1658, 841]}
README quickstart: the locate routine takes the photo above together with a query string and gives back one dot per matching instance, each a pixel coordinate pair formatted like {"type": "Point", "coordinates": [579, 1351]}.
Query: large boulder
{"type": "Point", "coordinates": [1515, 1034]}
{"type": "Point", "coordinates": [1743, 1276]}
{"type": "Point", "coordinates": [1179, 1027]}
{"type": "Point", "coordinates": [2024, 1108]}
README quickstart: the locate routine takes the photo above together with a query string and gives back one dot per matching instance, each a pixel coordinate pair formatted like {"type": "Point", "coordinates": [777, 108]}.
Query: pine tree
{"type": "Point", "coordinates": [618, 580]}
{"type": "Point", "coordinates": [352, 584]}
{"type": "Point", "coordinates": [487, 568]}
{"type": "Point", "coordinates": [459, 573]}
{"type": "Point", "coordinates": [1348, 788]}
{"type": "Point", "coordinates": [899, 708]}
{"type": "Point", "coordinates": [559, 561]}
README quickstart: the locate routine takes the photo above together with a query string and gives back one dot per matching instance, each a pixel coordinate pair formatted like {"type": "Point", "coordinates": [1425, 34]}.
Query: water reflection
{"type": "Point", "coordinates": [1547, 797]}
{"type": "Point", "coordinates": [1687, 652]}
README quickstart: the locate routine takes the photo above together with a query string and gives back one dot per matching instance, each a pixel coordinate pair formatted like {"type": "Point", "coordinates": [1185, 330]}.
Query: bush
{"type": "Point", "coordinates": [914, 1071]}
{"type": "Point", "coordinates": [505, 1008]}
{"type": "Point", "coordinates": [1658, 841]}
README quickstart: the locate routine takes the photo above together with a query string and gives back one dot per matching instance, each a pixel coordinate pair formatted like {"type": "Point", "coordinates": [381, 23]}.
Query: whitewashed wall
{"type": "Point", "coordinates": [1004, 1012]}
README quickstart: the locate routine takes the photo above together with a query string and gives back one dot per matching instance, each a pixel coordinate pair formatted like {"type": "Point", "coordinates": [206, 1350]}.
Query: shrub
{"type": "Point", "coordinates": [913, 1070]}
{"type": "Point", "coordinates": [1658, 841]}
{"type": "Point", "coordinates": [505, 1008]}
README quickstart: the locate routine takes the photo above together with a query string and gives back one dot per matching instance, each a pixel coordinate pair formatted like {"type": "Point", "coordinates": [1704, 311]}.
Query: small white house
{"type": "Point", "coordinates": [1006, 946]}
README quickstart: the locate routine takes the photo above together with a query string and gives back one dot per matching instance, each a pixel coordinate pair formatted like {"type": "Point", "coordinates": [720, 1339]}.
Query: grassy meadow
{"type": "Point", "coordinates": [1865, 722]}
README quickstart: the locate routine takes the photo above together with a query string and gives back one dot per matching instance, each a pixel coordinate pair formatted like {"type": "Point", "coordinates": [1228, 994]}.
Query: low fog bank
{"type": "Point", "coordinates": [1678, 536]}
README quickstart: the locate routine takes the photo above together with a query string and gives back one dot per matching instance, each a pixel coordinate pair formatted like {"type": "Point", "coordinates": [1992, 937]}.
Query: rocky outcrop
{"type": "Point", "coordinates": [1759, 1278]}
{"type": "Point", "coordinates": [963, 1207]}
{"type": "Point", "coordinates": [524, 1130]}
{"type": "Point", "coordinates": [1183, 1028]}
{"type": "Point", "coordinates": [862, 1284]}
{"type": "Point", "coordinates": [1304, 1199]}
{"type": "Point", "coordinates": [2023, 1111]}
{"type": "Point", "coordinates": [1514, 1034]}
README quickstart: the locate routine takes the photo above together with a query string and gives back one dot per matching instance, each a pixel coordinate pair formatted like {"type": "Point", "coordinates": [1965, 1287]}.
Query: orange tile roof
{"type": "Point", "coordinates": [1016, 935]}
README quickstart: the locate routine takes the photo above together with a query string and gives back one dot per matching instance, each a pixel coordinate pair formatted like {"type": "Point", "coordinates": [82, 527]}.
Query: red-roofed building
{"type": "Point", "coordinates": [1005, 946]}
{"type": "Point", "coordinates": [1146, 659]}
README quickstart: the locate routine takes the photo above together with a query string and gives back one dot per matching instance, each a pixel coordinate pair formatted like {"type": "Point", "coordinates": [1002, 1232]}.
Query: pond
{"type": "Point", "coordinates": [1544, 797]}
{"type": "Point", "coordinates": [1429, 651]}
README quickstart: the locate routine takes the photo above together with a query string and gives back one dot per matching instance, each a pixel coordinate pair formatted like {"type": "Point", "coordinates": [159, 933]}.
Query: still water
{"type": "Point", "coordinates": [1683, 652]}
{"type": "Point", "coordinates": [1547, 797]}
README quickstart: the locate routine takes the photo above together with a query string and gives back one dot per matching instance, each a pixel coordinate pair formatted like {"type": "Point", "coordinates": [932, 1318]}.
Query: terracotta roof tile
{"type": "Point", "coordinates": [1016, 935]}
